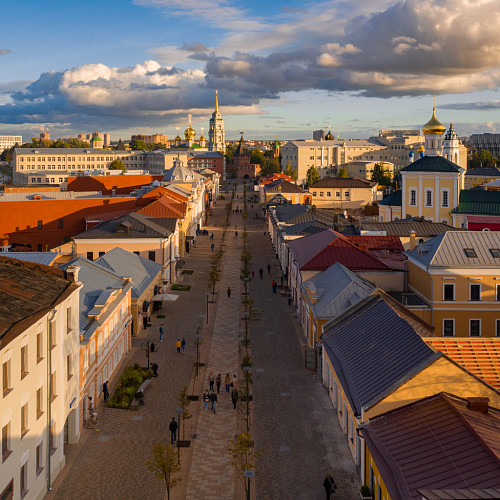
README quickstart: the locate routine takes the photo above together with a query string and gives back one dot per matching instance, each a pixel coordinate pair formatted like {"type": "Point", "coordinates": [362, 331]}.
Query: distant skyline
{"type": "Point", "coordinates": [282, 69]}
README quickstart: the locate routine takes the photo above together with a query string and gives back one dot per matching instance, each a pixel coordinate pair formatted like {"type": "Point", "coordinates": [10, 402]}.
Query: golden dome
{"type": "Point", "coordinates": [421, 148]}
{"type": "Point", "coordinates": [189, 133]}
{"type": "Point", "coordinates": [433, 126]}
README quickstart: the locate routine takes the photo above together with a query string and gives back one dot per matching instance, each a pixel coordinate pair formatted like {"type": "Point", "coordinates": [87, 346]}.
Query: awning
{"type": "Point", "coordinates": [165, 297]}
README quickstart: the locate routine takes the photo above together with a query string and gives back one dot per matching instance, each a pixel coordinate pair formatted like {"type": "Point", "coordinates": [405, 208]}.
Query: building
{"type": "Point", "coordinates": [216, 133]}
{"type": "Point", "coordinates": [288, 190]}
{"type": "Point", "coordinates": [335, 192]}
{"type": "Point", "coordinates": [486, 142]}
{"type": "Point", "coordinates": [477, 209]}
{"type": "Point", "coordinates": [39, 347]}
{"type": "Point", "coordinates": [152, 139]}
{"type": "Point", "coordinates": [9, 141]}
{"type": "Point", "coordinates": [319, 135]}
{"type": "Point", "coordinates": [480, 176]}
{"type": "Point", "coordinates": [364, 168]}
{"type": "Point", "coordinates": [441, 446]}
{"type": "Point", "coordinates": [104, 328]}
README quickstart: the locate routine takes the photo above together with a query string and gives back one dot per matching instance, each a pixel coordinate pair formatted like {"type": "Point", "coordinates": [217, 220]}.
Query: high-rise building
{"type": "Point", "coordinates": [216, 135]}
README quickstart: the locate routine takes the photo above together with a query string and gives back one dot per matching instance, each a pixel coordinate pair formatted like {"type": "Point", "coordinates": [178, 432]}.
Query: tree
{"type": "Point", "coordinates": [270, 166]}
{"type": "Point", "coordinates": [257, 156]}
{"type": "Point", "coordinates": [291, 172]}
{"type": "Point", "coordinates": [164, 465]}
{"type": "Point", "coordinates": [312, 176]}
{"type": "Point", "coordinates": [243, 458]}
{"type": "Point", "coordinates": [73, 142]}
{"type": "Point", "coordinates": [381, 175]}
{"type": "Point", "coordinates": [138, 145]}
{"type": "Point", "coordinates": [184, 402]}
{"type": "Point", "coordinates": [117, 165]}
{"type": "Point", "coordinates": [342, 173]}
{"type": "Point", "coordinates": [482, 158]}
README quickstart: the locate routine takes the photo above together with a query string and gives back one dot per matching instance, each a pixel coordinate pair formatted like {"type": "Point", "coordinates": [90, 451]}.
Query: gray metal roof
{"type": "Point", "coordinates": [448, 249]}
{"type": "Point", "coordinates": [374, 350]}
{"type": "Point", "coordinates": [352, 143]}
{"type": "Point", "coordinates": [127, 264]}
{"type": "Point", "coordinates": [403, 228]}
{"type": "Point", "coordinates": [46, 258]}
{"type": "Point", "coordinates": [305, 228]}
{"type": "Point", "coordinates": [284, 213]}
{"type": "Point", "coordinates": [96, 279]}
{"type": "Point", "coordinates": [51, 195]}
{"type": "Point", "coordinates": [337, 289]}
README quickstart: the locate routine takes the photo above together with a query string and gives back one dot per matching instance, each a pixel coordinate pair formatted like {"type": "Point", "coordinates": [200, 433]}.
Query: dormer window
{"type": "Point", "coordinates": [470, 253]}
{"type": "Point", "coordinates": [495, 253]}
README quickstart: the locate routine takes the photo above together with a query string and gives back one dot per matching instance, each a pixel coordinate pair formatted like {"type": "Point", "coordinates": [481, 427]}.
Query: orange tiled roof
{"type": "Point", "coordinates": [481, 356]}
{"type": "Point", "coordinates": [161, 191]}
{"type": "Point", "coordinates": [164, 208]}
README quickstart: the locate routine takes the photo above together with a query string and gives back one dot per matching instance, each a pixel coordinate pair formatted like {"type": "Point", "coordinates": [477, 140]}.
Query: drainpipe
{"type": "Point", "coordinates": [432, 299]}
{"type": "Point", "coordinates": [50, 317]}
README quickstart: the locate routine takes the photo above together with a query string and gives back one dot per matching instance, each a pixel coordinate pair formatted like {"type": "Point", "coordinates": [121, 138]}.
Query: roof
{"type": "Point", "coordinates": [478, 202]}
{"type": "Point", "coordinates": [435, 443]}
{"type": "Point", "coordinates": [132, 225]}
{"type": "Point", "coordinates": [448, 250]}
{"type": "Point", "coordinates": [66, 151]}
{"type": "Point", "coordinates": [127, 264]}
{"type": "Point", "coordinates": [368, 242]}
{"type": "Point", "coordinates": [403, 228]}
{"type": "Point", "coordinates": [287, 212]}
{"type": "Point", "coordinates": [35, 195]}
{"type": "Point", "coordinates": [304, 228]}
{"type": "Point", "coordinates": [164, 208]}
{"type": "Point", "coordinates": [336, 289]}
{"type": "Point", "coordinates": [282, 186]}
{"type": "Point", "coordinates": [336, 182]}
{"type": "Point", "coordinates": [28, 291]}
{"type": "Point", "coordinates": [393, 200]}
{"type": "Point", "coordinates": [375, 347]}
{"type": "Point", "coordinates": [432, 164]}
{"type": "Point", "coordinates": [242, 150]}
{"type": "Point", "coordinates": [481, 356]}
{"type": "Point", "coordinates": [360, 143]}
{"type": "Point", "coordinates": [461, 494]}
{"type": "Point", "coordinates": [181, 173]}
{"type": "Point", "coordinates": [483, 172]}
{"type": "Point", "coordinates": [98, 283]}
{"type": "Point", "coordinates": [45, 258]}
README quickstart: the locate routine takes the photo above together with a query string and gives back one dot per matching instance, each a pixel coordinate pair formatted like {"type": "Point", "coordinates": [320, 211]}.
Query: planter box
{"type": "Point", "coordinates": [183, 444]}
{"type": "Point", "coordinates": [193, 398]}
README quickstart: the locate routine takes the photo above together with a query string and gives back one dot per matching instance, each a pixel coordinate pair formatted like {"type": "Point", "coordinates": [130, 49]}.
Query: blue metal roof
{"type": "Point", "coordinates": [374, 350]}
{"type": "Point", "coordinates": [46, 258]}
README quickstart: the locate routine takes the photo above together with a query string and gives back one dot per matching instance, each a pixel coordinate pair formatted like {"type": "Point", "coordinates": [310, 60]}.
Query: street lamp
{"type": "Point", "coordinates": [197, 342]}
{"type": "Point", "coordinates": [179, 411]}
{"type": "Point", "coordinates": [248, 474]}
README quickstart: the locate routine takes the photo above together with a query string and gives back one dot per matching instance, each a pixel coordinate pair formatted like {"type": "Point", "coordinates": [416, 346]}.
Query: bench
{"type": "Point", "coordinates": [139, 395]}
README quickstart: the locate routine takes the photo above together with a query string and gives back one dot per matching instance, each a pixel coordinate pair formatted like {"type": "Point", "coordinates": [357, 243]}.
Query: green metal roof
{"type": "Point", "coordinates": [432, 164]}
{"type": "Point", "coordinates": [393, 200]}
{"type": "Point", "coordinates": [478, 202]}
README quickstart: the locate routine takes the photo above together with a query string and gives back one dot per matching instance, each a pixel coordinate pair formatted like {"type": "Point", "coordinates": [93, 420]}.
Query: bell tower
{"type": "Point", "coordinates": [216, 134]}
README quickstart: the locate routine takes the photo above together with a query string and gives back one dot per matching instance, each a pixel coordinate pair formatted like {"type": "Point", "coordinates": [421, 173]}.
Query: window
{"type": "Point", "coordinates": [413, 197]}
{"type": "Point", "coordinates": [39, 459]}
{"type": "Point", "coordinates": [60, 223]}
{"type": "Point", "coordinates": [497, 328]}
{"type": "Point", "coordinates": [495, 253]}
{"type": "Point", "coordinates": [444, 198]}
{"type": "Point", "coordinates": [90, 255]}
{"type": "Point", "coordinates": [69, 320]}
{"type": "Point", "coordinates": [449, 291]}
{"type": "Point", "coordinates": [346, 194]}
{"type": "Point", "coordinates": [39, 347]}
{"type": "Point", "coordinates": [92, 352]}
{"type": "Point", "coordinates": [52, 334]}
{"type": "Point", "coordinates": [498, 293]}
{"type": "Point", "coordinates": [24, 361]}
{"type": "Point", "coordinates": [6, 377]}
{"type": "Point", "coordinates": [328, 194]}
{"type": "Point", "coordinates": [24, 420]}
{"type": "Point", "coordinates": [6, 451]}
{"type": "Point", "coordinates": [39, 225]}
{"type": "Point", "coordinates": [23, 484]}
{"type": "Point", "coordinates": [475, 327]}
{"type": "Point", "coordinates": [39, 403]}
{"type": "Point", "coordinates": [8, 492]}
{"type": "Point", "coordinates": [152, 255]}
{"type": "Point", "coordinates": [337, 194]}
{"type": "Point", "coordinates": [470, 253]}
{"type": "Point", "coordinates": [52, 438]}
{"type": "Point", "coordinates": [101, 254]}
{"type": "Point", "coordinates": [40, 247]}
{"type": "Point", "coordinates": [53, 393]}
{"type": "Point", "coordinates": [321, 193]}
{"type": "Point", "coordinates": [428, 198]}
{"type": "Point", "coordinates": [448, 327]}
{"type": "Point", "coordinates": [69, 368]}
{"type": "Point", "coordinates": [475, 292]}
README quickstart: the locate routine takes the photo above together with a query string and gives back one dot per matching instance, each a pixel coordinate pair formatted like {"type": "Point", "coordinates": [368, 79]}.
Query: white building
{"type": "Point", "coordinates": [9, 141]}
{"type": "Point", "coordinates": [216, 134]}
{"type": "Point", "coordinates": [39, 349]}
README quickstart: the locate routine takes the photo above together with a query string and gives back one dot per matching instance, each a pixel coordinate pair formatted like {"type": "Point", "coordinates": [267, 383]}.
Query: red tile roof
{"type": "Point", "coordinates": [368, 242]}
{"type": "Point", "coordinates": [435, 443]}
{"type": "Point", "coordinates": [481, 356]}
{"type": "Point", "coordinates": [164, 208]}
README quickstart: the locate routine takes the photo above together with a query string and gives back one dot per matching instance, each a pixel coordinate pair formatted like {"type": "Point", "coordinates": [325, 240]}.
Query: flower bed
{"type": "Point", "coordinates": [181, 288]}
{"type": "Point", "coordinates": [132, 378]}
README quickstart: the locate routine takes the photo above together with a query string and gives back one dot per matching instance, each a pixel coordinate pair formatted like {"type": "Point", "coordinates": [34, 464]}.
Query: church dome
{"type": "Point", "coordinates": [433, 126]}
{"type": "Point", "coordinates": [329, 136]}
{"type": "Point", "coordinates": [189, 133]}
{"type": "Point", "coordinates": [421, 149]}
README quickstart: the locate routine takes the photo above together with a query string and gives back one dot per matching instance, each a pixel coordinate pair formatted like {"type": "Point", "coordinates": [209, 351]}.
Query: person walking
{"type": "Point", "coordinates": [329, 485]}
{"type": "Point", "coordinates": [183, 345]}
{"type": "Point", "coordinates": [212, 236]}
{"type": "Point", "coordinates": [228, 292]}
{"type": "Point", "coordinates": [212, 246]}
{"type": "Point", "coordinates": [211, 381]}
{"type": "Point", "coordinates": [105, 391]}
{"type": "Point", "coordinates": [269, 269]}
{"type": "Point", "coordinates": [218, 382]}
{"type": "Point", "coordinates": [234, 397]}
{"type": "Point", "coordinates": [213, 400]}
{"type": "Point", "coordinates": [253, 274]}
{"type": "Point", "coordinates": [234, 382]}
{"type": "Point", "coordinates": [161, 332]}
{"type": "Point", "coordinates": [261, 273]}
{"type": "Point", "coordinates": [173, 430]}
{"type": "Point", "coordinates": [178, 346]}
{"type": "Point", "coordinates": [275, 286]}
{"type": "Point", "coordinates": [206, 399]}
{"type": "Point", "coordinates": [227, 382]}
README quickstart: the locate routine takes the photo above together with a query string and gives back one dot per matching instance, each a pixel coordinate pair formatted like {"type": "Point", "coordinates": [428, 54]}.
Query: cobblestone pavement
{"type": "Point", "coordinates": [293, 421]}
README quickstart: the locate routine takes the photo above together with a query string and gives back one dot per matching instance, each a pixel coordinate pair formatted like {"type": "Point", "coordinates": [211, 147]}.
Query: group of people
{"type": "Point", "coordinates": [210, 396]}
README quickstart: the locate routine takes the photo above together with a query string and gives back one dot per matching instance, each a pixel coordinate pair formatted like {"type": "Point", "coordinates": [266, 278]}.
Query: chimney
{"type": "Point", "coordinates": [478, 404]}
{"type": "Point", "coordinates": [72, 273]}
{"type": "Point", "coordinates": [113, 192]}
{"type": "Point", "coordinates": [412, 240]}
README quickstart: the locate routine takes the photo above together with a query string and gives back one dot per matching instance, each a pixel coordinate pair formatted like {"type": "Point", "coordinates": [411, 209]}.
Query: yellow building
{"type": "Point", "coordinates": [457, 274]}
{"type": "Point", "coordinates": [333, 192]}
{"type": "Point", "coordinates": [480, 176]}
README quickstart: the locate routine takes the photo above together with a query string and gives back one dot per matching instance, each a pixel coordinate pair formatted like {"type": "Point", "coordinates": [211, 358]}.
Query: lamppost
{"type": "Point", "coordinates": [248, 474]}
{"type": "Point", "coordinates": [179, 411]}
{"type": "Point", "coordinates": [208, 295]}
{"type": "Point", "coordinates": [197, 341]}
{"type": "Point", "coordinates": [247, 378]}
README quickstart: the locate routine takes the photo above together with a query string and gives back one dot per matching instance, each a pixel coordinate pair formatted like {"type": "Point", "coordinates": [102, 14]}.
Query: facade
{"type": "Point", "coordinates": [480, 176]}
{"type": "Point", "coordinates": [457, 275]}
{"type": "Point", "coordinates": [487, 142]}
{"type": "Point", "coordinates": [477, 210]}
{"type": "Point", "coordinates": [216, 133]}
{"type": "Point", "coordinates": [364, 168]}
{"type": "Point", "coordinates": [152, 139]}
{"type": "Point", "coordinates": [288, 190]}
{"type": "Point", "coordinates": [333, 192]}
{"type": "Point", "coordinates": [39, 347]}
{"type": "Point", "coordinates": [9, 141]}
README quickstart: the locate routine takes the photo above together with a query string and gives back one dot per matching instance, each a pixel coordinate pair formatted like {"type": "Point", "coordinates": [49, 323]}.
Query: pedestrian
{"type": "Point", "coordinates": [213, 400]}
{"type": "Point", "coordinates": [261, 273]}
{"type": "Point", "coordinates": [236, 234]}
{"type": "Point", "coordinates": [206, 399]}
{"type": "Point", "coordinates": [161, 332]}
{"type": "Point", "coordinates": [105, 391]}
{"type": "Point", "coordinates": [227, 381]}
{"type": "Point", "coordinates": [154, 367]}
{"type": "Point", "coordinates": [234, 382]}
{"type": "Point", "coordinates": [275, 286]}
{"type": "Point", "coordinates": [269, 269]}
{"type": "Point", "coordinates": [211, 381]}
{"type": "Point", "coordinates": [178, 345]}
{"type": "Point", "coordinates": [212, 246]}
{"type": "Point", "coordinates": [212, 236]}
{"type": "Point", "coordinates": [228, 292]}
{"type": "Point", "coordinates": [253, 274]}
{"type": "Point", "coordinates": [173, 430]}
{"type": "Point", "coordinates": [90, 406]}
{"type": "Point", "coordinates": [329, 485]}
{"type": "Point", "coordinates": [234, 397]}
{"type": "Point", "coordinates": [218, 382]}
{"type": "Point", "coordinates": [183, 345]}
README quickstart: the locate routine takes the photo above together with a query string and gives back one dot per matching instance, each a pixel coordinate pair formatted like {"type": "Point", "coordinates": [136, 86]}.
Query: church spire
{"type": "Point", "coordinates": [216, 101]}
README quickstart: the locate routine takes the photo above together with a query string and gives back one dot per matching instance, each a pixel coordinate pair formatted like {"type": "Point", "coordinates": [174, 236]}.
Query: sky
{"type": "Point", "coordinates": [281, 68]}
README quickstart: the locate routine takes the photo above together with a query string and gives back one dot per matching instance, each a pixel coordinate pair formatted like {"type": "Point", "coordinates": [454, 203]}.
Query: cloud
{"type": "Point", "coordinates": [4, 51]}
{"type": "Point", "coordinates": [473, 106]}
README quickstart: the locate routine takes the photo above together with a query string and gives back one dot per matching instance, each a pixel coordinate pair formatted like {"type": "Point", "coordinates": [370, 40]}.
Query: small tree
{"type": "Point", "coordinates": [117, 165]}
{"type": "Point", "coordinates": [381, 175]}
{"type": "Point", "coordinates": [342, 173]}
{"type": "Point", "coordinates": [164, 465]}
{"type": "Point", "coordinates": [184, 401]}
{"type": "Point", "coordinates": [243, 458]}
{"type": "Point", "coordinates": [312, 176]}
